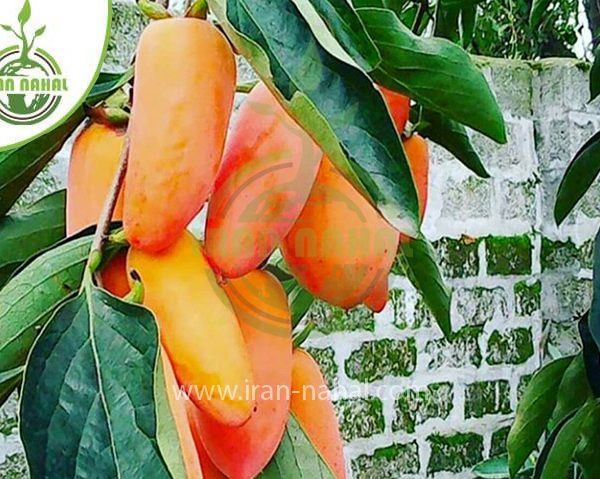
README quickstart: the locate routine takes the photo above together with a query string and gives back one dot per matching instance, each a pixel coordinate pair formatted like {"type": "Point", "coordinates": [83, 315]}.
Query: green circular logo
{"type": "Point", "coordinates": [31, 86]}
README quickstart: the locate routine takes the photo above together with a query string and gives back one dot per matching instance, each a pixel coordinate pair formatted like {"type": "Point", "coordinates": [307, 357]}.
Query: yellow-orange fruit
{"type": "Point", "coordinates": [418, 158]}
{"type": "Point", "coordinates": [178, 409]}
{"type": "Point", "coordinates": [268, 170]}
{"type": "Point", "coordinates": [379, 296]}
{"type": "Point", "coordinates": [263, 313]}
{"type": "Point", "coordinates": [94, 162]}
{"type": "Point", "coordinates": [183, 96]}
{"type": "Point", "coordinates": [198, 327]}
{"type": "Point", "coordinates": [399, 106]}
{"type": "Point", "coordinates": [340, 248]}
{"type": "Point", "coordinates": [209, 470]}
{"type": "Point", "coordinates": [314, 410]}
{"type": "Point", "coordinates": [114, 276]}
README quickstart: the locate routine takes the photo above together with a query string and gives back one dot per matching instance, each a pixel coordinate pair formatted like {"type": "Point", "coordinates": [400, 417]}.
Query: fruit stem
{"type": "Point", "coordinates": [153, 10]}
{"type": "Point", "coordinates": [136, 295]}
{"type": "Point", "coordinates": [197, 9]}
{"type": "Point", "coordinates": [108, 210]}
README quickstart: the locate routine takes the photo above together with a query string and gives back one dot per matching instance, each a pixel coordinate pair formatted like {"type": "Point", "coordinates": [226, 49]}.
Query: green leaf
{"type": "Point", "coordinates": [347, 28]}
{"type": "Point", "coordinates": [9, 380]}
{"type": "Point", "coordinates": [587, 451]}
{"type": "Point", "coordinates": [299, 300]}
{"type": "Point", "coordinates": [494, 468]}
{"type": "Point", "coordinates": [88, 392]}
{"type": "Point", "coordinates": [595, 76]}
{"type": "Point", "coordinates": [556, 456]}
{"type": "Point", "coordinates": [296, 457]}
{"type": "Point", "coordinates": [29, 299]}
{"type": "Point", "coordinates": [434, 72]}
{"type": "Point", "coordinates": [497, 468]}
{"type": "Point", "coordinates": [25, 13]}
{"type": "Point", "coordinates": [167, 435]}
{"type": "Point", "coordinates": [578, 178]}
{"type": "Point", "coordinates": [447, 18]}
{"type": "Point", "coordinates": [538, 12]}
{"type": "Point", "coordinates": [395, 6]}
{"type": "Point", "coordinates": [533, 412]}
{"type": "Point", "coordinates": [19, 166]}
{"type": "Point", "coordinates": [334, 102]}
{"type": "Point", "coordinates": [417, 256]}
{"type": "Point", "coordinates": [468, 18]}
{"type": "Point", "coordinates": [40, 31]}
{"type": "Point", "coordinates": [591, 355]}
{"type": "Point", "coordinates": [453, 137]}
{"type": "Point", "coordinates": [8, 28]}
{"type": "Point", "coordinates": [25, 233]}
{"type": "Point", "coordinates": [594, 314]}
{"type": "Point", "coordinates": [573, 391]}
{"type": "Point", "coordinates": [107, 84]}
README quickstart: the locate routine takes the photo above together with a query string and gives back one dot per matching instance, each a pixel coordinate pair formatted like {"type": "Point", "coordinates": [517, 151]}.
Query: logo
{"type": "Point", "coordinates": [31, 83]}
{"type": "Point", "coordinates": [50, 55]}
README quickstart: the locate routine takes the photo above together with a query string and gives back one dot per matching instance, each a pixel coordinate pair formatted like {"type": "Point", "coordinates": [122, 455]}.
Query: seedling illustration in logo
{"type": "Point", "coordinates": [31, 81]}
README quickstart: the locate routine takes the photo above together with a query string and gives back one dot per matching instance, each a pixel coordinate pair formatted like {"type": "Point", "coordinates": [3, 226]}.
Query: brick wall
{"type": "Point", "coordinates": [411, 403]}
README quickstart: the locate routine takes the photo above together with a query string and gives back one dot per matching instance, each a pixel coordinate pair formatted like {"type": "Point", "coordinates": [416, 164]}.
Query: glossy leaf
{"type": "Point", "coordinates": [595, 76]}
{"type": "Point", "coordinates": [28, 301]}
{"type": "Point", "coordinates": [594, 314]}
{"type": "Point", "coordinates": [557, 454]}
{"type": "Point", "coordinates": [395, 6]}
{"type": "Point", "coordinates": [334, 102]}
{"type": "Point", "coordinates": [9, 381]}
{"type": "Point", "coordinates": [533, 412]}
{"type": "Point", "coordinates": [417, 257]}
{"type": "Point", "coordinates": [434, 72]}
{"type": "Point", "coordinates": [586, 453]}
{"type": "Point", "coordinates": [447, 21]}
{"type": "Point", "coordinates": [591, 356]}
{"type": "Point", "coordinates": [538, 12]}
{"type": "Point", "coordinates": [25, 233]}
{"type": "Point", "coordinates": [347, 28]}
{"type": "Point", "coordinates": [88, 392]}
{"type": "Point", "coordinates": [296, 457]}
{"type": "Point", "coordinates": [453, 137]}
{"type": "Point", "coordinates": [573, 391]}
{"type": "Point", "coordinates": [468, 19]}
{"type": "Point", "coordinates": [107, 84]}
{"type": "Point", "coordinates": [578, 178]}
{"type": "Point", "coordinates": [497, 468]}
{"type": "Point", "coordinates": [299, 300]}
{"type": "Point", "coordinates": [19, 166]}
{"type": "Point", "coordinates": [167, 434]}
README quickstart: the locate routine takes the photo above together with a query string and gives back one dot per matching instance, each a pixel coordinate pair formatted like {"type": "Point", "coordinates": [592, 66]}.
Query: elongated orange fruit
{"type": "Point", "coordinates": [198, 327]}
{"type": "Point", "coordinates": [268, 170]}
{"type": "Point", "coordinates": [399, 106]}
{"type": "Point", "coordinates": [209, 470]}
{"type": "Point", "coordinates": [315, 413]}
{"type": "Point", "coordinates": [177, 403]}
{"type": "Point", "coordinates": [262, 310]}
{"type": "Point", "coordinates": [183, 96]}
{"type": "Point", "coordinates": [341, 248]}
{"type": "Point", "coordinates": [417, 153]}
{"type": "Point", "coordinates": [94, 162]}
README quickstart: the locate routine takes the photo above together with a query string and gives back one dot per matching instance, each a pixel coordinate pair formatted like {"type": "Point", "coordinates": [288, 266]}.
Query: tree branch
{"type": "Point", "coordinates": [108, 210]}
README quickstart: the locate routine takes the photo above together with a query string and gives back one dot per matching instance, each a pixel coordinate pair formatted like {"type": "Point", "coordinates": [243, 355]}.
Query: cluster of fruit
{"type": "Point", "coordinates": [224, 321]}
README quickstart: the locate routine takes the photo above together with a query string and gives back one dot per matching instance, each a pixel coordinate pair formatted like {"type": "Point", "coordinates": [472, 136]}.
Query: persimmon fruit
{"type": "Point", "coordinates": [268, 170]}
{"type": "Point", "coordinates": [183, 96]}
{"type": "Point", "coordinates": [198, 328]}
